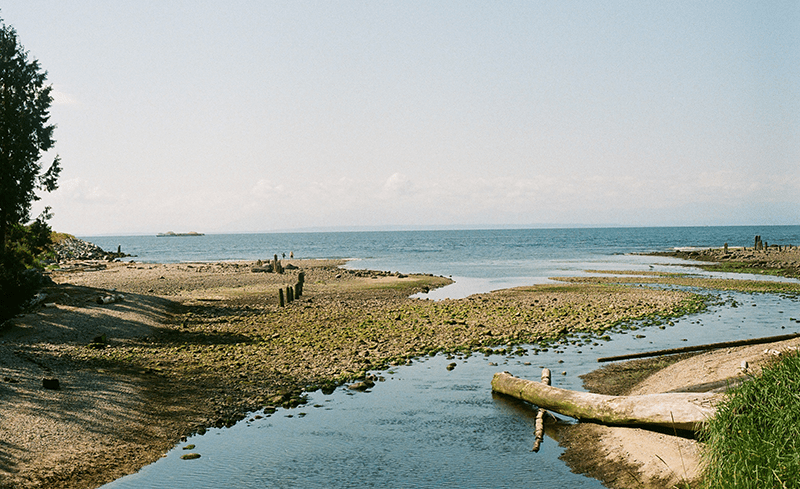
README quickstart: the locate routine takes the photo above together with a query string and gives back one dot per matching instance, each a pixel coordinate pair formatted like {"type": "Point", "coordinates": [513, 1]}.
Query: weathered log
{"type": "Point", "coordinates": [710, 346]}
{"type": "Point", "coordinates": [683, 411]}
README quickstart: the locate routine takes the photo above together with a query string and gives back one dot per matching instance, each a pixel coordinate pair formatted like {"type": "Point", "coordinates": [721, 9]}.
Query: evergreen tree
{"type": "Point", "coordinates": [24, 133]}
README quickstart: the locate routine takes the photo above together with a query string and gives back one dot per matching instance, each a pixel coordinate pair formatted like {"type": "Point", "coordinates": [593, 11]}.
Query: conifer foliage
{"type": "Point", "coordinates": [25, 135]}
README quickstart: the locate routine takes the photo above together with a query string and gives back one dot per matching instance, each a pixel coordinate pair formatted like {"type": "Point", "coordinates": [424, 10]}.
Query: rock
{"type": "Point", "coordinates": [51, 384]}
{"type": "Point", "coordinates": [37, 299]}
{"type": "Point", "coordinates": [77, 249]}
{"type": "Point", "coordinates": [451, 366]}
{"type": "Point", "coordinates": [362, 386]}
{"type": "Point", "coordinates": [110, 299]}
{"type": "Point", "coordinates": [190, 456]}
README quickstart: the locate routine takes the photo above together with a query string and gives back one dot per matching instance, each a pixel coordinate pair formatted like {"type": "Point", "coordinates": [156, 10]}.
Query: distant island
{"type": "Point", "coordinates": [170, 233]}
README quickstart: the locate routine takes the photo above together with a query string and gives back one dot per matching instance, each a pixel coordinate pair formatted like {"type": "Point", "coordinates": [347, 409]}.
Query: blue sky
{"type": "Point", "coordinates": [244, 116]}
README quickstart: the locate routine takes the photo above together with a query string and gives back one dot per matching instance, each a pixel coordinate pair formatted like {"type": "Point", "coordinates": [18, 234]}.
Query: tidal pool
{"type": "Point", "coordinates": [427, 426]}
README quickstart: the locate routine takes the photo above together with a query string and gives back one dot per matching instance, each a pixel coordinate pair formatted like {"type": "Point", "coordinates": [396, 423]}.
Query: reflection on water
{"type": "Point", "coordinates": [427, 426]}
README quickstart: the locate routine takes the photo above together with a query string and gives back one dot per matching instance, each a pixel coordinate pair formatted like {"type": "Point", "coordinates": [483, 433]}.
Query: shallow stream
{"type": "Point", "coordinates": [427, 426]}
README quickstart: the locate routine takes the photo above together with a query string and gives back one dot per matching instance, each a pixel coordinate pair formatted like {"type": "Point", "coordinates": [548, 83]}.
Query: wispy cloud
{"type": "Point", "coordinates": [80, 191]}
{"type": "Point", "coordinates": [61, 97]}
{"type": "Point", "coordinates": [265, 188]}
{"type": "Point", "coordinates": [398, 184]}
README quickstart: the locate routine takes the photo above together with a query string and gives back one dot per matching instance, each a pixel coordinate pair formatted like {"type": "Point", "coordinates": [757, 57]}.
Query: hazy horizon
{"type": "Point", "coordinates": [380, 229]}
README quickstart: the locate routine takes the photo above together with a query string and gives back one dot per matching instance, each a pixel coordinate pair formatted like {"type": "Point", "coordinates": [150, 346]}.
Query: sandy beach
{"type": "Point", "coordinates": [191, 346]}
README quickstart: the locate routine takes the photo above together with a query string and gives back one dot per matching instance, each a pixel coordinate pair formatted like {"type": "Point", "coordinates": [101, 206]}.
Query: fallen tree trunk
{"type": "Point", "coordinates": [682, 410]}
{"type": "Point", "coordinates": [710, 346]}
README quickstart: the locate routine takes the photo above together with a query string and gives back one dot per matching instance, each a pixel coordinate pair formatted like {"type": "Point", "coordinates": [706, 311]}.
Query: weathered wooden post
{"type": "Point", "coordinates": [289, 295]}
{"type": "Point", "coordinates": [301, 279]}
{"type": "Point", "coordinates": [726, 248]}
{"type": "Point", "coordinates": [280, 297]}
{"type": "Point", "coordinates": [539, 431]}
{"type": "Point", "coordinates": [297, 292]}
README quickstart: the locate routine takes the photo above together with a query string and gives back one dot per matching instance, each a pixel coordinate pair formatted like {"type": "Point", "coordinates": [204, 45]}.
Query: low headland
{"type": "Point", "coordinates": [144, 354]}
{"type": "Point", "coordinates": [174, 234]}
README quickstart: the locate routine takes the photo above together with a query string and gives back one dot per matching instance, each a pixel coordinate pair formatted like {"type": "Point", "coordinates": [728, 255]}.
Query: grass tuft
{"type": "Point", "coordinates": [754, 439]}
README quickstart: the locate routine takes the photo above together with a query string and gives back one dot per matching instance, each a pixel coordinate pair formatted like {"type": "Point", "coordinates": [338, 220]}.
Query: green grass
{"type": "Point", "coordinates": [754, 439]}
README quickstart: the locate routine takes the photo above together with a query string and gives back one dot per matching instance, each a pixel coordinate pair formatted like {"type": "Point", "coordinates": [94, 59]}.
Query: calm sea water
{"type": "Point", "coordinates": [478, 260]}
{"type": "Point", "coordinates": [427, 426]}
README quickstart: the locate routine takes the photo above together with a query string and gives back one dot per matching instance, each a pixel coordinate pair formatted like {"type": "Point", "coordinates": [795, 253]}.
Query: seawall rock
{"type": "Point", "coordinates": [78, 249]}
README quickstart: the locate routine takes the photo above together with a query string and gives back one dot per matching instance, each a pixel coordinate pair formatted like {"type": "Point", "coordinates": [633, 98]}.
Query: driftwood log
{"type": "Point", "coordinates": [680, 410]}
{"type": "Point", "coordinates": [710, 346]}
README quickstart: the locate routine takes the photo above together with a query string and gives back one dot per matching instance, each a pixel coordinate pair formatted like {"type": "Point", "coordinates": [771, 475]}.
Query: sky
{"type": "Point", "coordinates": [257, 116]}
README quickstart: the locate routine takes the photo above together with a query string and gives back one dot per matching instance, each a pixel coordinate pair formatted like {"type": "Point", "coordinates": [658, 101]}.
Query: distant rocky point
{"type": "Point", "coordinates": [73, 248]}
{"type": "Point", "coordinates": [170, 233]}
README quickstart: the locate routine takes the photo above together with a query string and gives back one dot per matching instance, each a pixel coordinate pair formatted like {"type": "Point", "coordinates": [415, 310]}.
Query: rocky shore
{"type": "Point", "coordinates": [182, 347]}
{"type": "Point", "coordinates": [71, 249]}
{"type": "Point", "coordinates": [783, 260]}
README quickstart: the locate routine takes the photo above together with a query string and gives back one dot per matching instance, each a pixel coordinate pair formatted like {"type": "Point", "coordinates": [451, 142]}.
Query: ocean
{"type": "Point", "coordinates": [478, 260]}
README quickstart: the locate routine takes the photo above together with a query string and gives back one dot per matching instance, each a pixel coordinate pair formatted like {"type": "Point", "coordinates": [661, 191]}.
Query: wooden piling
{"type": "Point", "coordinates": [540, 414]}
{"type": "Point", "coordinates": [280, 297]}
{"type": "Point", "coordinates": [289, 294]}
{"type": "Point", "coordinates": [301, 279]}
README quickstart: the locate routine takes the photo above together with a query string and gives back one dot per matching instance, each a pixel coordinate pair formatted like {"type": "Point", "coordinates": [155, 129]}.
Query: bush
{"type": "Point", "coordinates": [16, 287]}
{"type": "Point", "coordinates": [19, 278]}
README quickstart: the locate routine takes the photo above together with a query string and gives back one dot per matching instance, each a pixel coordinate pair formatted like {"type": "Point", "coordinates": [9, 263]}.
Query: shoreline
{"type": "Point", "coordinates": [187, 345]}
